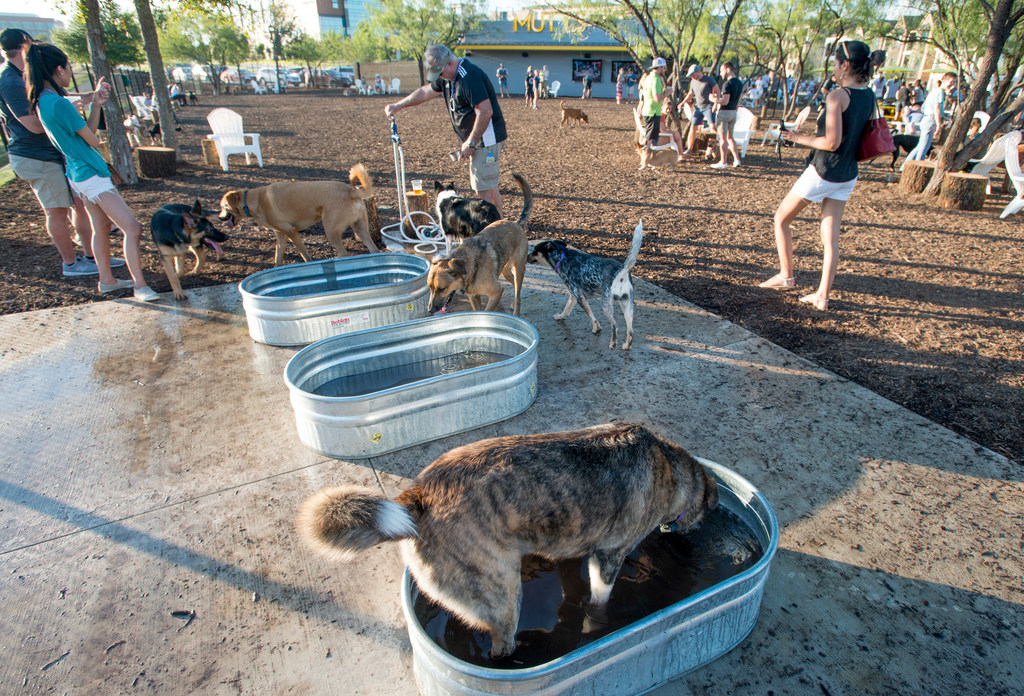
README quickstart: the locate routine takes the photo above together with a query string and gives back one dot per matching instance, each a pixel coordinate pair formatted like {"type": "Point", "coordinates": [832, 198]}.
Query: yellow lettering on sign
{"type": "Point", "coordinates": [533, 21]}
{"type": "Point", "coordinates": [517, 20]}
{"type": "Point", "coordinates": [537, 27]}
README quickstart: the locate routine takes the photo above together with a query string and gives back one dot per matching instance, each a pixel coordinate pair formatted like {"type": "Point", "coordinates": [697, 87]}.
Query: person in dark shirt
{"type": "Point", "coordinates": [34, 158]}
{"type": "Point", "coordinates": [474, 111]}
{"type": "Point", "coordinates": [728, 101]}
{"type": "Point", "coordinates": [832, 166]}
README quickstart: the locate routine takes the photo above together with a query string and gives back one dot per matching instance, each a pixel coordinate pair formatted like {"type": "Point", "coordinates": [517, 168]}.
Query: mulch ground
{"type": "Point", "coordinates": [927, 308]}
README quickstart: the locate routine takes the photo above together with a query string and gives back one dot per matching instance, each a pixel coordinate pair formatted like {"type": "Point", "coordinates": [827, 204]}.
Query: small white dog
{"type": "Point", "coordinates": [133, 127]}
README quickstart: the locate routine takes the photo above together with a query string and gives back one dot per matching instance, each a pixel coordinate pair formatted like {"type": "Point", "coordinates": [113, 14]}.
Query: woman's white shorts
{"type": "Point", "coordinates": [91, 188]}
{"type": "Point", "coordinates": [813, 188]}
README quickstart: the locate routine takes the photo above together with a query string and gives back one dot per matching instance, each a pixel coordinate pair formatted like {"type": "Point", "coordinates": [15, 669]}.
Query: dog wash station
{"type": "Point", "coordinates": [378, 376]}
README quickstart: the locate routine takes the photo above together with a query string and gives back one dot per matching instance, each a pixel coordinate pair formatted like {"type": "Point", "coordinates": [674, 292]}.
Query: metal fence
{"type": "Point", "coordinates": [124, 83]}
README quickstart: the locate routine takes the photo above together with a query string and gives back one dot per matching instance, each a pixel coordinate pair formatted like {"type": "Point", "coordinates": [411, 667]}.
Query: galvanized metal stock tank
{"type": "Point", "coordinates": [634, 659]}
{"type": "Point", "coordinates": [389, 419]}
{"type": "Point", "coordinates": [300, 303]}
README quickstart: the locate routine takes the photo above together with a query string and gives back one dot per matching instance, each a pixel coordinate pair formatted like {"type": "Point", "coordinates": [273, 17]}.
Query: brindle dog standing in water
{"type": "Point", "coordinates": [471, 516]}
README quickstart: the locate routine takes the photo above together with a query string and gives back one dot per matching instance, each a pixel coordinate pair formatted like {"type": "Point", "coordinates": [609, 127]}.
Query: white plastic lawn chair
{"type": "Point", "coordinates": [984, 118]}
{"type": "Point", "coordinates": [395, 84]}
{"type": "Point", "coordinates": [145, 111]}
{"type": "Point", "coordinates": [996, 153]}
{"type": "Point", "coordinates": [742, 131]}
{"type": "Point", "coordinates": [553, 89]}
{"type": "Point", "coordinates": [773, 131]}
{"type": "Point", "coordinates": [665, 140]}
{"type": "Point", "coordinates": [230, 138]}
{"type": "Point", "coordinates": [257, 88]}
{"type": "Point", "coordinates": [1013, 169]}
{"type": "Point", "coordinates": [360, 86]}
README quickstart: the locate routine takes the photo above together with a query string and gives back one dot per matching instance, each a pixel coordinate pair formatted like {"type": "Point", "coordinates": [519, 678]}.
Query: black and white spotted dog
{"type": "Point", "coordinates": [586, 275]}
{"type": "Point", "coordinates": [462, 218]}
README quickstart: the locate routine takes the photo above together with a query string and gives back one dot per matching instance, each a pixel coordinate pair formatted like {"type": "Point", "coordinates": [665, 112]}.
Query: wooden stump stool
{"type": "Point", "coordinates": [916, 175]}
{"type": "Point", "coordinates": [210, 155]}
{"type": "Point", "coordinates": [373, 222]}
{"type": "Point", "coordinates": [415, 201]}
{"type": "Point", "coordinates": [157, 162]}
{"type": "Point", "coordinates": [963, 191]}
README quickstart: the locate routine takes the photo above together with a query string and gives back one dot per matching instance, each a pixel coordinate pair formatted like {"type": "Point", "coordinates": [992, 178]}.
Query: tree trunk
{"type": "Point", "coordinates": [120, 149]}
{"type": "Point", "coordinates": [1002, 23]}
{"type": "Point", "coordinates": [962, 191]}
{"type": "Point", "coordinates": [157, 76]}
{"type": "Point", "coordinates": [725, 36]}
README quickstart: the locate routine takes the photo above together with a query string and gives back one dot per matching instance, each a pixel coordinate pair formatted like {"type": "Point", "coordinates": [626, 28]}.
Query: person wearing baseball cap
{"type": "Point", "coordinates": [474, 111]}
{"type": "Point", "coordinates": [36, 160]}
{"type": "Point", "coordinates": [700, 92]}
{"type": "Point", "coordinates": [652, 91]}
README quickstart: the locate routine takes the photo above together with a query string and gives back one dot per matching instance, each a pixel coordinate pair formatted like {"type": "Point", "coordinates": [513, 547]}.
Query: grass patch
{"type": "Point", "coordinates": [6, 175]}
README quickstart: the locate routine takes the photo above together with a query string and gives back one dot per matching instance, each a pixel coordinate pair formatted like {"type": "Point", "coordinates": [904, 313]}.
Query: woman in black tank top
{"type": "Point", "coordinates": [832, 165]}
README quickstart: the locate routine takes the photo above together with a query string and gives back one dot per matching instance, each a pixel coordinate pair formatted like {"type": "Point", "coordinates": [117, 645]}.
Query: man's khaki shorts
{"type": "Point", "coordinates": [48, 180]}
{"type": "Point", "coordinates": [725, 122]}
{"type": "Point", "coordinates": [484, 175]}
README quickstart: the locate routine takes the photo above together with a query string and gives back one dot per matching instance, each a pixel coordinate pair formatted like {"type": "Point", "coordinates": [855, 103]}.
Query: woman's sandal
{"type": "Point", "coordinates": [778, 282]}
{"type": "Point", "coordinates": [816, 301]}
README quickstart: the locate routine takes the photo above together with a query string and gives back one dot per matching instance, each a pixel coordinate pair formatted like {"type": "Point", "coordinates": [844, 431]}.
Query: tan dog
{"type": "Point", "coordinates": [474, 266]}
{"type": "Point", "coordinates": [290, 207]}
{"type": "Point", "coordinates": [471, 516]}
{"type": "Point", "coordinates": [657, 158]}
{"type": "Point", "coordinates": [572, 114]}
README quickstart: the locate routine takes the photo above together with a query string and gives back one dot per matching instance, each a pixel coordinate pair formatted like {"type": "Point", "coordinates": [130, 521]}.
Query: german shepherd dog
{"type": "Point", "coordinates": [572, 115]}
{"type": "Point", "coordinates": [462, 218]}
{"type": "Point", "coordinates": [586, 276]}
{"type": "Point", "coordinates": [474, 266]}
{"type": "Point", "coordinates": [289, 207]}
{"type": "Point", "coordinates": [471, 516]}
{"type": "Point", "coordinates": [178, 229]}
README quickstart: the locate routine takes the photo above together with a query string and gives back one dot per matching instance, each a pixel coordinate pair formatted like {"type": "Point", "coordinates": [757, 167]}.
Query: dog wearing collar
{"type": "Point", "coordinates": [471, 516]}
{"type": "Point", "coordinates": [462, 218]}
{"type": "Point", "coordinates": [474, 265]}
{"type": "Point", "coordinates": [289, 207]}
{"type": "Point", "coordinates": [588, 276]}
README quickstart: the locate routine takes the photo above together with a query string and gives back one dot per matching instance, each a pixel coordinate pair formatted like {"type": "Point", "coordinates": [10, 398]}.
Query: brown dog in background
{"type": "Point", "coordinates": [289, 207]}
{"type": "Point", "coordinates": [471, 516]}
{"type": "Point", "coordinates": [572, 114]}
{"type": "Point", "coordinates": [474, 266]}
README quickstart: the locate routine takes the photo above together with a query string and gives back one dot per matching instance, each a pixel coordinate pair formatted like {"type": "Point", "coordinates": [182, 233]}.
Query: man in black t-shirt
{"type": "Point", "coordinates": [728, 101]}
{"type": "Point", "coordinates": [474, 111]}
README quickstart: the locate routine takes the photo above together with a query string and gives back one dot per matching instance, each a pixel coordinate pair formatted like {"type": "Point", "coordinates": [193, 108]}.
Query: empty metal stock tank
{"type": "Point", "coordinates": [372, 392]}
{"type": "Point", "coordinates": [301, 303]}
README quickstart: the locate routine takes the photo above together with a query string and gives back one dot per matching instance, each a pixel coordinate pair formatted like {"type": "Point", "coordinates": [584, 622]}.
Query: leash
{"type": "Point", "coordinates": [560, 260]}
{"type": "Point", "coordinates": [245, 203]}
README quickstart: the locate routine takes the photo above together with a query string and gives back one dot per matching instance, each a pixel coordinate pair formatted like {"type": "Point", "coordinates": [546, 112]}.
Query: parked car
{"type": "Point", "coordinates": [267, 77]}
{"type": "Point", "coordinates": [294, 77]}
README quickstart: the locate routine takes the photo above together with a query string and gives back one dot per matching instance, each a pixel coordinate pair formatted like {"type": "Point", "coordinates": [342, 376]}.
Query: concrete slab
{"type": "Point", "coordinates": [150, 468]}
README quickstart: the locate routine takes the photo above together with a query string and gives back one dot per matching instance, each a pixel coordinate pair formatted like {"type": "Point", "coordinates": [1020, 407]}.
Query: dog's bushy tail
{"type": "Point", "coordinates": [527, 200]}
{"type": "Point", "coordinates": [359, 177]}
{"type": "Point", "coordinates": [634, 252]}
{"type": "Point", "coordinates": [342, 521]}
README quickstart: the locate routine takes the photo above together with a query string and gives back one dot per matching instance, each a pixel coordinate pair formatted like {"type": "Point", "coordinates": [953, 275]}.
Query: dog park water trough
{"type": "Point", "coordinates": [301, 303]}
{"type": "Point", "coordinates": [371, 392]}
{"type": "Point", "coordinates": [702, 592]}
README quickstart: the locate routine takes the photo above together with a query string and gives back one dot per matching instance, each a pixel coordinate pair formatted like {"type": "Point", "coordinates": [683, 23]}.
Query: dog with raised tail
{"type": "Point", "coordinates": [471, 516]}
{"type": "Point", "coordinates": [586, 275]}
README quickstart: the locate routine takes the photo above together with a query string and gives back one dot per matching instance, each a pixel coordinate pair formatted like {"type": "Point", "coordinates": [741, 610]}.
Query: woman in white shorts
{"type": "Point", "coordinates": [832, 166]}
{"type": "Point", "coordinates": [49, 74]}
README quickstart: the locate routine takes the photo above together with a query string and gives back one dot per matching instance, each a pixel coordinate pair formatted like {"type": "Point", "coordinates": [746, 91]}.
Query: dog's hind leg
{"type": "Point", "coordinates": [609, 312]}
{"type": "Point", "coordinates": [626, 304]}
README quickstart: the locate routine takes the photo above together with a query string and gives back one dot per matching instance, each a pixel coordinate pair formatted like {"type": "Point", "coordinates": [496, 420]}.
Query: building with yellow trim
{"type": "Point", "coordinates": [536, 38]}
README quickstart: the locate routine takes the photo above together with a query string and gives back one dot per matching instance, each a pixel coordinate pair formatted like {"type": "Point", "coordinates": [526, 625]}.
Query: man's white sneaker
{"type": "Point", "coordinates": [719, 165]}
